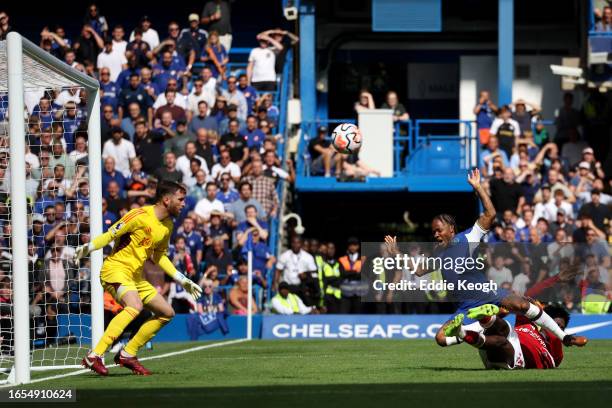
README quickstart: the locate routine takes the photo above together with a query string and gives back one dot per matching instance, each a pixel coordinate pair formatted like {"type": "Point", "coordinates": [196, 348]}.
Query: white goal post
{"type": "Point", "coordinates": [29, 67]}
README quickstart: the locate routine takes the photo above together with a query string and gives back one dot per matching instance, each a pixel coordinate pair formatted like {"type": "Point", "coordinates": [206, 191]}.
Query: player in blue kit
{"type": "Point", "coordinates": [454, 246]}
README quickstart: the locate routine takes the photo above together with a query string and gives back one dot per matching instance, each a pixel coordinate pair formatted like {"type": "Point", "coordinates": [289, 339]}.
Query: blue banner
{"type": "Point", "coordinates": [396, 326]}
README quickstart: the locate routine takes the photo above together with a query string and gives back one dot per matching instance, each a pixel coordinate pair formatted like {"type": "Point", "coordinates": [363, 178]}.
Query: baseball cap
{"type": "Point", "coordinates": [322, 129]}
{"type": "Point", "coordinates": [145, 18]}
{"type": "Point", "coordinates": [587, 150]}
{"type": "Point", "coordinates": [283, 285]}
{"type": "Point", "coordinates": [194, 17]}
{"type": "Point", "coordinates": [560, 211]}
{"type": "Point", "coordinates": [595, 191]}
{"type": "Point", "coordinates": [181, 121]}
{"type": "Point", "coordinates": [38, 218]}
{"type": "Point", "coordinates": [116, 129]}
{"type": "Point", "coordinates": [584, 165]}
{"type": "Point", "coordinates": [232, 107]}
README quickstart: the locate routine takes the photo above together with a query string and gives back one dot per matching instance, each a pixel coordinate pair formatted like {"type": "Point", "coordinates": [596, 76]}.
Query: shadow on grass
{"type": "Point", "coordinates": [514, 394]}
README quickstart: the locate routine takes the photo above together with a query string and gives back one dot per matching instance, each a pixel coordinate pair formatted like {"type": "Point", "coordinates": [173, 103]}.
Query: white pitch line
{"type": "Point", "coordinates": [174, 353]}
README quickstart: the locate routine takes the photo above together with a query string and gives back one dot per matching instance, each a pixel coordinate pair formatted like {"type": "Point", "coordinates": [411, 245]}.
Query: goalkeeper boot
{"type": "Point", "coordinates": [483, 311]}
{"type": "Point", "coordinates": [131, 363]}
{"type": "Point", "coordinates": [454, 327]}
{"type": "Point", "coordinates": [571, 340]}
{"type": "Point", "coordinates": [95, 364]}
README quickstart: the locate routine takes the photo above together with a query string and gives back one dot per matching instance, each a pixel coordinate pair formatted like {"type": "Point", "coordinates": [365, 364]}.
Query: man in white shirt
{"type": "Point", "coordinates": [114, 61]}
{"type": "Point", "coordinates": [226, 165]}
{"type": "Point", "coordinates": [261, 70]}
{"type": "Point", "coordinates": [183, 163]}
{"type": "Point", "coordinates": [294, 266]}
{"type": "Point", "coordinates": [72, 94]}
{"type": "Point", "coordinates": [119, 44]}
{"type": "Point", "coordinates": [199, 93]}
{"type": "Point", "coordinates": [286, 303]}
{"type": "Point", "coordinates": [208, 204]}
{"type": "Point", "coordinates": [235, 97]}
{"type": "Point", "coordinates": [120, 149]}
{"type": "Point", "coordinates": [498, 273]}
{"type": "Point", "coordinates": [149, 35]}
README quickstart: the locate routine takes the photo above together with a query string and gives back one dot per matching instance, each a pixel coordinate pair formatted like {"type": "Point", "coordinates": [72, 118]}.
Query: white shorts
{"type": "Point", "coordinates": [519, 361]}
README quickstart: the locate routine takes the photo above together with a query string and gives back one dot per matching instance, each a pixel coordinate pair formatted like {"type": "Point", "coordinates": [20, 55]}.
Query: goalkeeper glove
{"type": "Point", "coordinates": [190, 286]}
{"type": "Point", "coordinates": [81, 252]}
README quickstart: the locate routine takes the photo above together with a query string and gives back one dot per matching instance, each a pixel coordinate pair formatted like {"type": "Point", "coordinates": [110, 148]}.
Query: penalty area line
{"type": "Point", "coordinates": [171, 354]}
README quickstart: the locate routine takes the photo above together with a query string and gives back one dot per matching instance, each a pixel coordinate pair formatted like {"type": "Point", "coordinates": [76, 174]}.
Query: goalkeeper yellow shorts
{"type": "Point", "coordinates": [117, 284]}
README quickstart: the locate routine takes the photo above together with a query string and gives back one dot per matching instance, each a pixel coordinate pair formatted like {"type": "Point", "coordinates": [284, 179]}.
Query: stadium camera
{"type": "Point", "coordinates": [299, 228]}
{"type": "Point", "coordinates": [566, 71]}
{"type": "Point", "coordinates": [290, 11]}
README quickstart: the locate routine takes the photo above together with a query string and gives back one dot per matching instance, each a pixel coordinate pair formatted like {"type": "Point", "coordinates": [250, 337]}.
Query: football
{"type": "Point", "coordinates": [346, 138]}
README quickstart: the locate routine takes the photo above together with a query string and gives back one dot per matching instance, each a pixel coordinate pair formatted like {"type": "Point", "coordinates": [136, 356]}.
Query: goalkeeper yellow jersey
{"type": "Point", "coordinates": [138, 236]}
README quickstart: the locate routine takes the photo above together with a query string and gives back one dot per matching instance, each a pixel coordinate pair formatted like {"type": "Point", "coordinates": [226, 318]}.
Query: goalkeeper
{"type": "Point", "coordinates": [142, 234]}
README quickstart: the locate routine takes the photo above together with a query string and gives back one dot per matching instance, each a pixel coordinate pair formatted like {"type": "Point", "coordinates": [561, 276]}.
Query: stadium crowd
{"type": "Point", "coordinates": [173, 108]}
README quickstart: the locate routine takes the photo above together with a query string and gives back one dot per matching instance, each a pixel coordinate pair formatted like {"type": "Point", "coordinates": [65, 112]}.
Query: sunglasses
{"type": "Point", "coordinates": [208, 286]}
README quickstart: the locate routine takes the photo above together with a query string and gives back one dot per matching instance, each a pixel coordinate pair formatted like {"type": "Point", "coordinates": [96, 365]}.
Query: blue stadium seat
{"type": "Point", "coordinates": [436, 157]}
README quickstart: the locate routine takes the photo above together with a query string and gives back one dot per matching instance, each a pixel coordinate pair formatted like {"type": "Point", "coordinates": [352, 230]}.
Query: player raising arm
{"type": "Point", "coordinates": [142, 234]}
{"type": "Point", "coordinates": [459, 245]}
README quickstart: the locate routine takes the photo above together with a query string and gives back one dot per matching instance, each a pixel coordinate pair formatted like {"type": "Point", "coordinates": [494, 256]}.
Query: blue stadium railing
{"type": "Point", "coordinates": [436, 157]}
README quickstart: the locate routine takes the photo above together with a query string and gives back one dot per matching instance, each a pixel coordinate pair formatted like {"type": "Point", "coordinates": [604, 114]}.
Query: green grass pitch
{"type": "Point", "coordinates": [345, 373]}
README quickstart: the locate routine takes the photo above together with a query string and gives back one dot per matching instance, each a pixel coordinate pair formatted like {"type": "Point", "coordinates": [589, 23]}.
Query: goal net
{"type": "Point", "coordinates": [50, 202]}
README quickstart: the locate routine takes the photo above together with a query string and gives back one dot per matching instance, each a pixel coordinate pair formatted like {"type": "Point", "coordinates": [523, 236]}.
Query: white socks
{"type": "Point", "coordinates": [540, 317]}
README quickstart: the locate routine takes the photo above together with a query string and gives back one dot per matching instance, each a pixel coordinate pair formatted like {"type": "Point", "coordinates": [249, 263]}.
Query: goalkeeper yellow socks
{"type": "Point", "coordinates": [115, 328]}
{"type": "Point", "coordinates": [147, 331]}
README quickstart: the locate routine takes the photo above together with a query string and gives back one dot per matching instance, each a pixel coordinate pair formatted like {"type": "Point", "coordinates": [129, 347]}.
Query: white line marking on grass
{"type": "Point", "coordinates": [171, 354]}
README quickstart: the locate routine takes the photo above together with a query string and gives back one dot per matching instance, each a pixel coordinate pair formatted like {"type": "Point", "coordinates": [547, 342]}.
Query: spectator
{"type": "Point", "coordinates": [235, 143]}
{"type": "Point", "coordinates": [238, 297]}
{"type": "Point", "coordinates": [5, 27]}
{"type": "Point", "coordinates": [218, 257]}
{"type": "Point", "coordinates": [561, 223]}
{"type": "Point", "coordinates": [286, 303]}
{"type": "Point", "coordinates": [392, 102]}
{"type": "Point", "coordinates": [226, 193]}
{"type": "Point", "coordinates": [193, 240]}
{"type": "Point", "coordinates": [176, 111]}
{"type": "Point", "coordinates": [272, 171]}
{"type": "Point", "coordinates": [120, 149]}
{"type": "Point", "coordinates": [505, 193]}
{"type": "Point", "coordinates": [485, 112]}
{"type": "Point", "coordinates": [96, 21]}
{"type": "Point", "coordinates": [88, 45]}
{"type": "Point", "coordinates": [217, 228]}
{"type": "Point", "coordinates": [250, 225]}
{"type": "Point", "coordinates": [489, 155]}
{"type": "Point", "coordinates": [498, 273]}
{"type": "Point", "coordinates": [138, 179]}
{"type": "Point", "coordinates": [261, 68]}
{"type": "Point", "coordinates": [169, 171]}
{"type": "Point", "coordinates": [232, 114]}
{"type": "Point", "coordinates": [192, 38]}
{"type": "Point", "coordinates": [248, 91]}
{"type": "Point", "coordinates": [119, 43]}
{"type": "Point", "coordinates": [215, 56]}
{"type": "Point", "coordinates": [606, 20]}
{"type": "Point", "coordinates": [254, 137]}
{"type": "Point", "coordinates": [264, 190]}
{"type": "Point", "coordinates": [109, 174]}
{"type": "Point", "coordinates": [149, 35]}
{"type": "Point", "coordinates": [202, 120]}
{"type": "Point", "coordinates": [139, 49]}
{"type": "Point", "coordinates": [588, 155]}
{"type": "Point", "coordinates": [366, 101]}
{"type": "Point", "coordinates": [114, 61]}
{"type": "Point", "coordinates": [149, 146]}
{"type": "Point", "coordinates": [506, 129]}
{"type": "Point", "coordinates": [218, 111]}
{"type": "Point", "coordinates": [204, 148]}
{"type": "Point", "coordinates": [167, 69]}
{"type": "Point", "coordinates": [116, 203]}
{"type": "Point", "coordinates": [523, 116]}
{"type": "Point", "coordinates": [208, 204]}
{"type": "Point", "coordinates": [520, 283]}
{"type": "Point", "coordinates": [128, 124]}
{"type": "Point", "coordinates": [198, 189]}
{"type": "Point", "coordinates": [183, 163]}
{"type": "Point", "coordinates": [235, 97]}
{"type": "Point", "coordinates": [217, 16]}
{"type": "Point", "coordinates": [237, 208]}
{"type": "Point", "coordinates": [176, 144]}
{"type": "Point", "coordinates": [560, 203]}
{"type": "Point", "coordinates": [568, 119]}
{"type": "Point", "coordinates": [572, 149]}
{"type": "Point", "coordinates": [180, 100]}
{"type": "Point", "coordinates": [598, 212]}
{"type": "Point", "coordinates": [226, 166]}
{"type": "Point", "coordinates": [56, 42]}
{"type": "Point", "coordinates": [135, 93]}
{"type": "Point", "coordinates": [199, 94]}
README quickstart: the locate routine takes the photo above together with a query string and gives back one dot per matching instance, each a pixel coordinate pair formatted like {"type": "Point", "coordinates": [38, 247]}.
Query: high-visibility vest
{"type": "Point", "coordinates": [346, 263]}
{"type": "Point", "coordinates": [594, 303]}
{"type": "Point", "coordinates": [291, 301]}
{"type": "Point", "coordinates": [331, 271]}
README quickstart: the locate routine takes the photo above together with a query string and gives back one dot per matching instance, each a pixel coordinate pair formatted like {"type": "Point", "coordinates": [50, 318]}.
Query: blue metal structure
{"type": "Point", "coordinates": [407, 15]}
{"type": "Point", "coordinates": [436, 162]}
{"type": "Point", "coordinates": [505, 51]}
